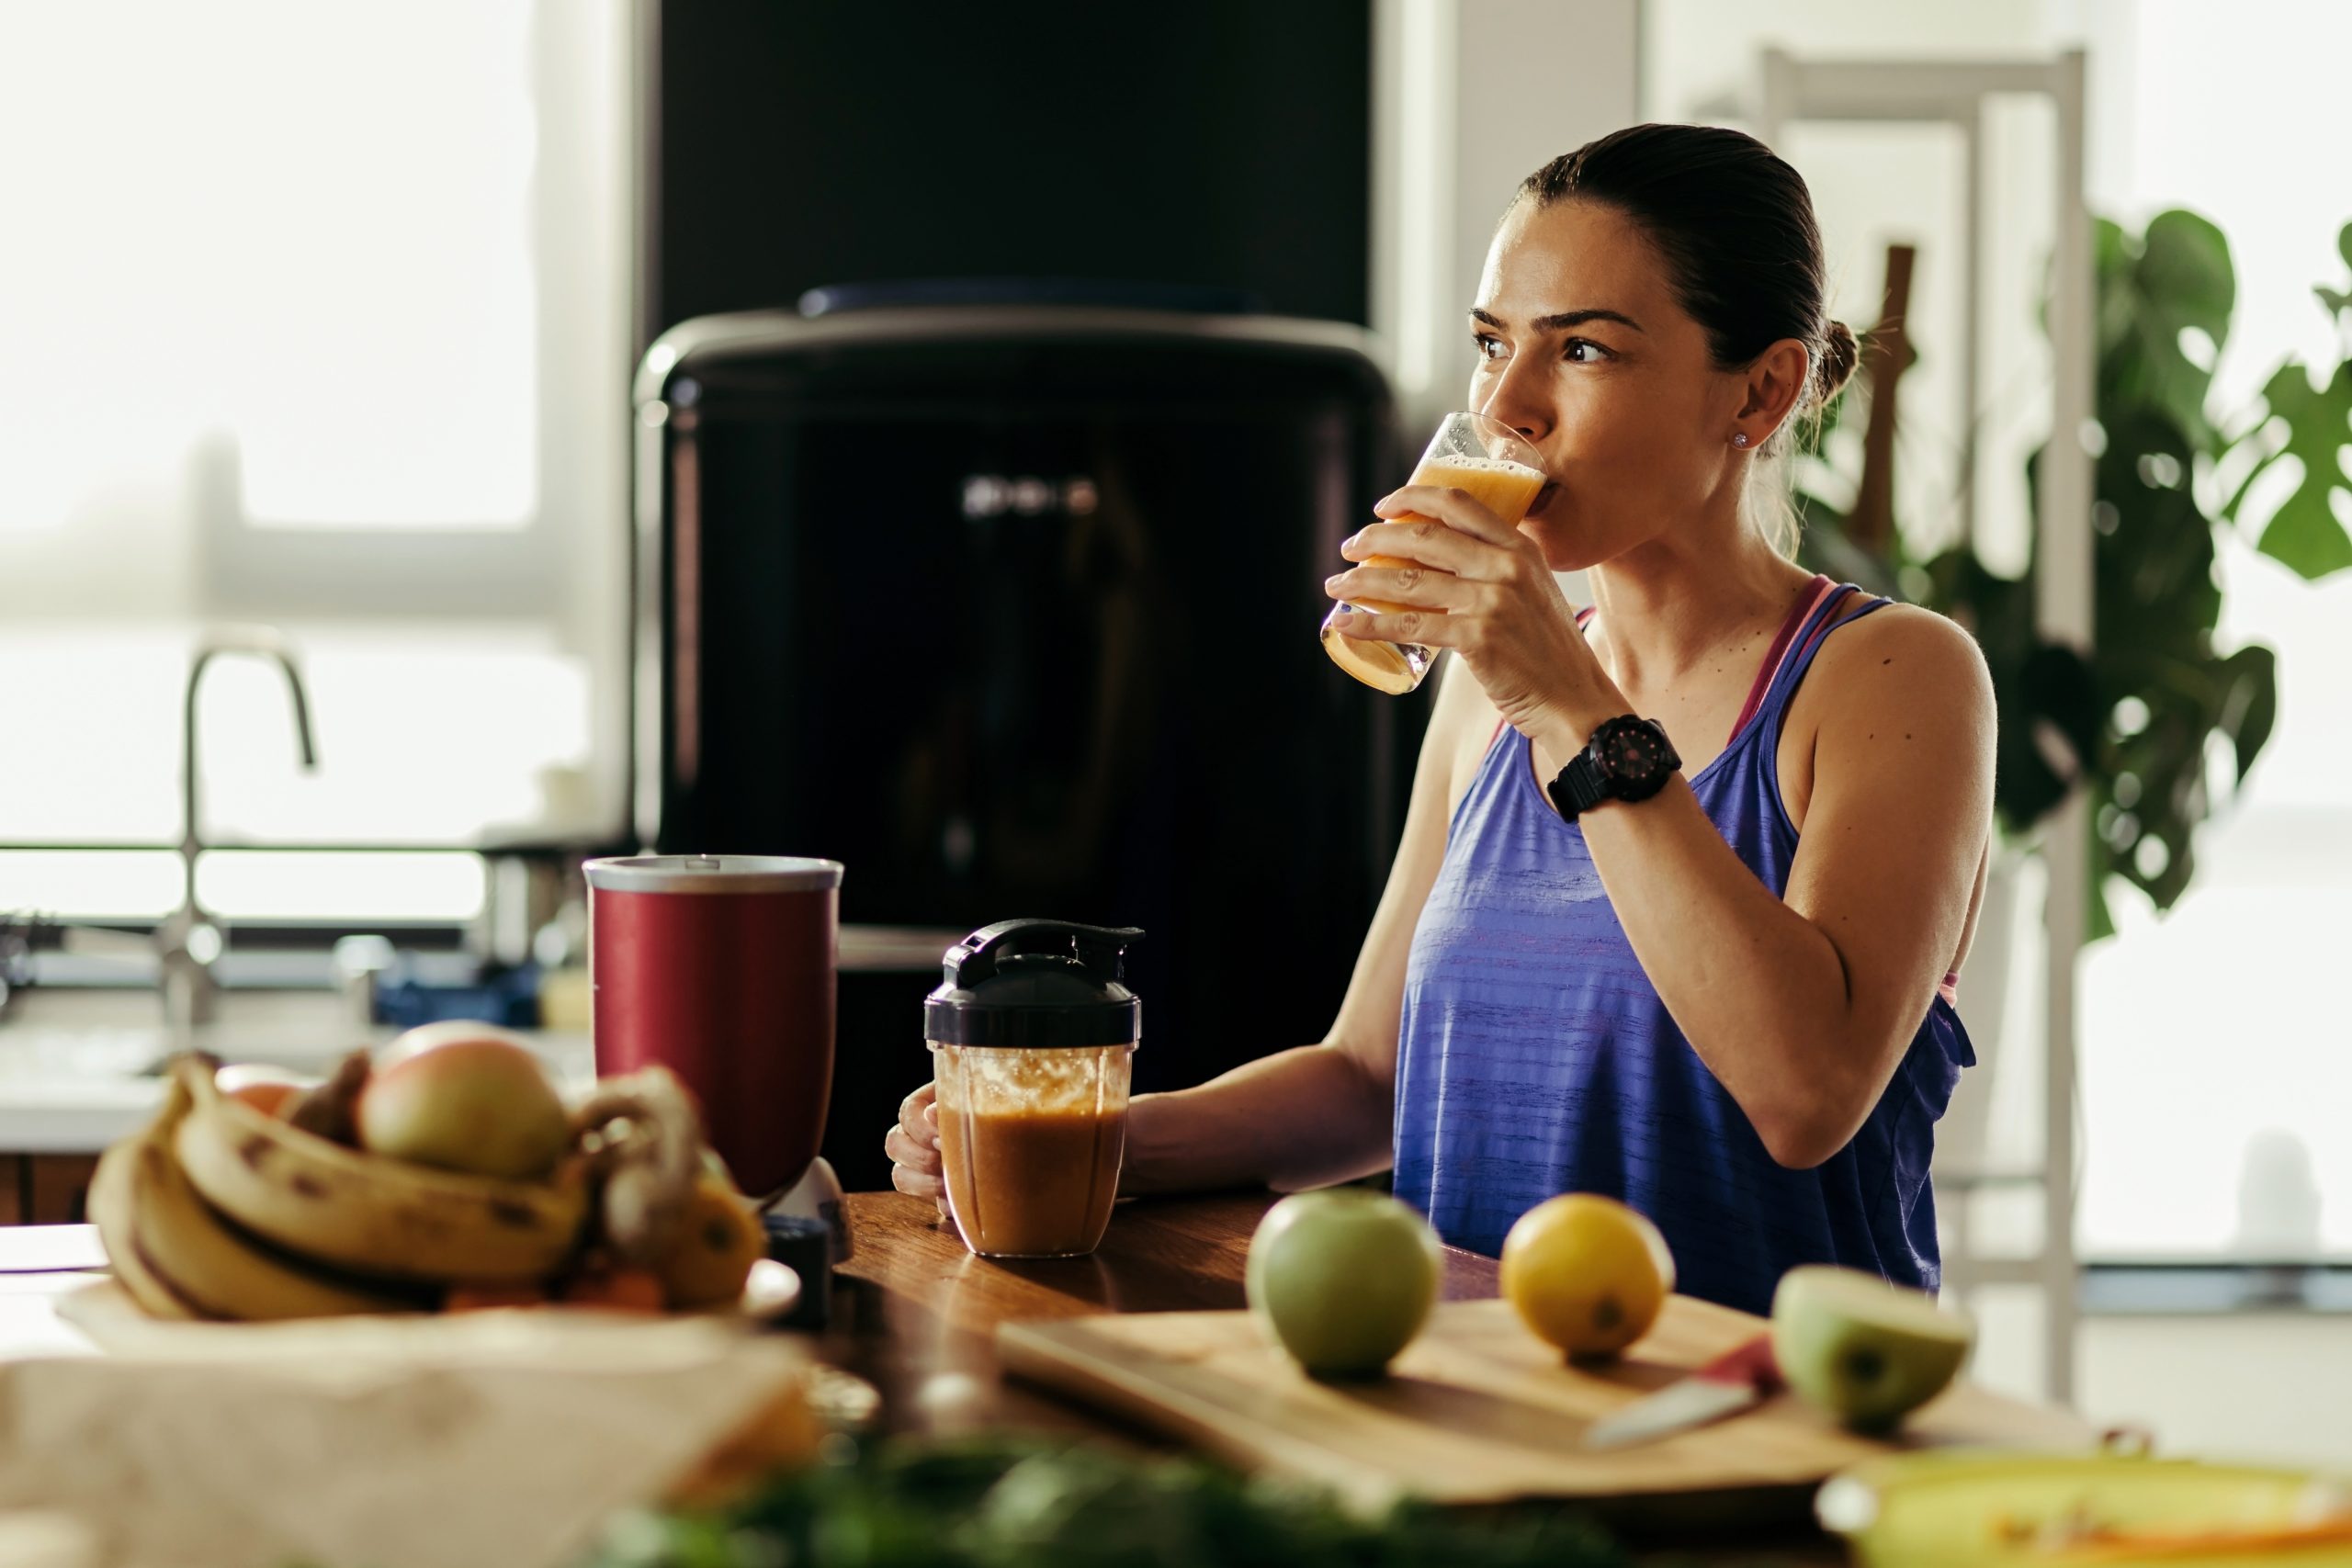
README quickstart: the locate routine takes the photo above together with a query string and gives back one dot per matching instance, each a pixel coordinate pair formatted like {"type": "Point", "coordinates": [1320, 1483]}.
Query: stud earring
{"type": "Point", "coordinates": [1740, 439]}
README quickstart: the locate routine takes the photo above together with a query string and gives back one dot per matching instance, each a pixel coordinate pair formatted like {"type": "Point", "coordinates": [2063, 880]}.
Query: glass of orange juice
{"type": "Point", "coordinates": [1471, 453]}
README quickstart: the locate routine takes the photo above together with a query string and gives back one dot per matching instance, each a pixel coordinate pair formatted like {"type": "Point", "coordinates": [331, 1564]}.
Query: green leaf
{"type": "Point", "coordinates": [2250, 709]}
{"type": "Point", "coordinates": [2303, 533]}
{"type": "Point", "coordinates": [2184, 271]}
{"type": "Point", "coordinates": [2343, 243]}
{"type": "Point", "coordinates": [2113, 253]}
{"type": "Point", "coordinates": [2102, 914]}
{"type": "Point", "coordinates": [2178, 278]}
{"type": "Point", "coordinates": [2155, 567]}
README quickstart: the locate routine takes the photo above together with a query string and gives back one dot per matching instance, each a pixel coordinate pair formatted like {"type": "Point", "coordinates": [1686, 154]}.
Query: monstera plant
{"type": "Point", "coordinates": [2134, 721]}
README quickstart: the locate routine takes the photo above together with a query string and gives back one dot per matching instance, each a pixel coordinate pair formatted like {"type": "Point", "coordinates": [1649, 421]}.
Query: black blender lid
{"type": "Point", "coordinates": [1033, 984]}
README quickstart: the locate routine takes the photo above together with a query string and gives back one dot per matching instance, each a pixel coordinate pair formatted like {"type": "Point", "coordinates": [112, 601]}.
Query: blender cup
{"type": "Point", "coordinates": [720, 967]}
{"type": "Point", "coordinates": [1032, 1037]}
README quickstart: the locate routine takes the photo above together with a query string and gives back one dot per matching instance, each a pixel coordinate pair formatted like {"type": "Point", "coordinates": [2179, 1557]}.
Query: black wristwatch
{"type": "Point", "coordinates": [1627, 758]}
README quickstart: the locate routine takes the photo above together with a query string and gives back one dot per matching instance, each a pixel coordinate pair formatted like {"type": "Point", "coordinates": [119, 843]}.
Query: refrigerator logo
{"type": "Point", "coordinates": [993, 495]}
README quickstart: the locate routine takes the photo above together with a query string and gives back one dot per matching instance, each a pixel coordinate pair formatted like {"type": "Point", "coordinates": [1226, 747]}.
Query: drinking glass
{"type": "Point", "coordinates": [1470, 452]}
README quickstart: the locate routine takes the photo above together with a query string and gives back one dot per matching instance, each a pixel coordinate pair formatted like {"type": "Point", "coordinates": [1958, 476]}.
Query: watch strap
{"type": "Point", "coordinates": [1579, 787]}
{"type": "Point", "coordinates": [1585, 781]}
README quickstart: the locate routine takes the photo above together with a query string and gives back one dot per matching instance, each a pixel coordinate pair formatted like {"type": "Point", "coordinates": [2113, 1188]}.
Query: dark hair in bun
{"type": "Point", "coordinates": [1839, 353]}
{"type": "Point", "coordinates": [1734, 224]}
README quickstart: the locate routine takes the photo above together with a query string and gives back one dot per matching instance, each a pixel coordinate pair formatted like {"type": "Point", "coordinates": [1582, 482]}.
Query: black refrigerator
{"type": "Point", "coordinates": [1007, 598]}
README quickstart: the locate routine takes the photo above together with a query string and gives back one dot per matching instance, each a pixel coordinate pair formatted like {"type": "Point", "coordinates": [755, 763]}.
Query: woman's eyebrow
{"type": "Point", "coordinates": [1561, 321]}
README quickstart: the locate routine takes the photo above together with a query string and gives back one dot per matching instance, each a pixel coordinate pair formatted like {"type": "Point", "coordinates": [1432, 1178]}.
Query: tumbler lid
{"type": "Point", "coordinates": [1031, 984]}
{"type": "Point", "coordinates": [713, 874]}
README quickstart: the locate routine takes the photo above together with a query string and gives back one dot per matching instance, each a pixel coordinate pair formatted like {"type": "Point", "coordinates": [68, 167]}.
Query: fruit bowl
{"type": "Point", "coordinates": [231, 1208]}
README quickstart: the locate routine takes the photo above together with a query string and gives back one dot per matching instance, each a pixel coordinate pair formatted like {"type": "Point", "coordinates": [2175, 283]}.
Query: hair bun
{"type": "Point", "coordinates": [1839, 353]}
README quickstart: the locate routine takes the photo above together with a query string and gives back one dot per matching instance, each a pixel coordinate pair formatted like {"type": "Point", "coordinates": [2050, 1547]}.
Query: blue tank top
{"type": "Point", "coordinates": [1535, 1055]}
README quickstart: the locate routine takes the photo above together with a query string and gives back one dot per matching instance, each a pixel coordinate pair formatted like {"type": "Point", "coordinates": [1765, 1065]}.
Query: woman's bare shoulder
{"type": "Point", "coordinates": [1912, 648]}
{"type": "Point", "coordinates": [1901, 669]}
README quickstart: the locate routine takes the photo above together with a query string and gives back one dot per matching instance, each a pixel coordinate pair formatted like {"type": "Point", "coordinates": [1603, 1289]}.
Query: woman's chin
{"type": "Point", "coordinates": [1563, 549]}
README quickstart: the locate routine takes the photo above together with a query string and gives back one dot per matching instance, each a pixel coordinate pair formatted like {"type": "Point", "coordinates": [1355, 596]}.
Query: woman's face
{"type": "Point", "coordinates": [1584, 349]}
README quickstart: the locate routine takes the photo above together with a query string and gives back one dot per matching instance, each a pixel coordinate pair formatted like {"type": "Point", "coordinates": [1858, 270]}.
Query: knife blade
{"type": "Point", "coordinates": [1737, 1380]}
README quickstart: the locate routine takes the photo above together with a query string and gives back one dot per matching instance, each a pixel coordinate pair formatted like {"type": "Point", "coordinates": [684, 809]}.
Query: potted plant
{"type": "Point", "coordinates": [2134, 721]}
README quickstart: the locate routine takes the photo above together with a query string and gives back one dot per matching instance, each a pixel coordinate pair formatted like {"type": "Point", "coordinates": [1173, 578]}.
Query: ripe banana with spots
{"type": "Point", "coordinates": [366, 1213]}
{"type": "Point", "coordinates": [179, 1259]}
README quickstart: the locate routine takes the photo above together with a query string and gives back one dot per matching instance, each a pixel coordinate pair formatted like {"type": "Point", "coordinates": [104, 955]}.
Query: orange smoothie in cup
{"type": "Point", "coordinates": [1504, 488]}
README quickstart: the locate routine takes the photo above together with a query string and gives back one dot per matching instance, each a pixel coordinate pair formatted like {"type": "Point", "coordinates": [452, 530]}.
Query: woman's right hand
{"type": "Point", "coordinates": [913, 1147]}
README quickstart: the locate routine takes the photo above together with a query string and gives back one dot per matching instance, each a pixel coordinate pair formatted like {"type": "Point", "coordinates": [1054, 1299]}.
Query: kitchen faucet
{"type": "Point", "coordinates": [187, 941]}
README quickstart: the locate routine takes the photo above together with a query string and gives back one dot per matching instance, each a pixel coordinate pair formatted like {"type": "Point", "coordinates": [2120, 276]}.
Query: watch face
{"type": "Point", "coordinates": [1632, 751]}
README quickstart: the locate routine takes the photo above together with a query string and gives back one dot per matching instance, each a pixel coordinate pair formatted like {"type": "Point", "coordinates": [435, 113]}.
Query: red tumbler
{"type": "Point", "coordinates": [720, 968]}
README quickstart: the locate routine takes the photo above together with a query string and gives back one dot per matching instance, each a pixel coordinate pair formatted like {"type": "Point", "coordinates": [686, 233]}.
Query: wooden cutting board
{"type": "Point", "coordinates": [1477, 1410]}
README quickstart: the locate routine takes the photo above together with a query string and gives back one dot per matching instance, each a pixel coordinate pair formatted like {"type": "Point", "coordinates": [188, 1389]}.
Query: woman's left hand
{"type": "Point", "coordinates": [1461, 577]}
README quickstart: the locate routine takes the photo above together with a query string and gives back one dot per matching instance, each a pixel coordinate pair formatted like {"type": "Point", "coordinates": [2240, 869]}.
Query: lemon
{"type": "Point", "coordinates": [1587, 1273]}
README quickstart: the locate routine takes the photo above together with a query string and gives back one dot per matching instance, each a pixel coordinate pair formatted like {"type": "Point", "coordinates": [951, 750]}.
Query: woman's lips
{"type": "Point", "coordinates": [1543, 497]}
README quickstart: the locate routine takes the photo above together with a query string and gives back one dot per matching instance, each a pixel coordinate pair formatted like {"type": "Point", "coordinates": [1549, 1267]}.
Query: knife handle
{"type": "Point", "coordinates": [1748, 1364]}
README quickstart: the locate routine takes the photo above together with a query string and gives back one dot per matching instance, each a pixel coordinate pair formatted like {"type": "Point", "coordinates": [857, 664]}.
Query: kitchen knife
{"type": "Point", "coordinates": [1733, 1381]}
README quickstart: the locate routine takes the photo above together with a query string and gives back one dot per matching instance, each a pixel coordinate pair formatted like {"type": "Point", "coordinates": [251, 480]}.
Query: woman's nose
{"type": "Point", "coordinates": [1517, 398]}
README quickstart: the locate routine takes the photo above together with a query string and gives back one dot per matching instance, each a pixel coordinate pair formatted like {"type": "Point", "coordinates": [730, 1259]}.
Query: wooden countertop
{"type": "Point", "coordinates": [916, 1313]}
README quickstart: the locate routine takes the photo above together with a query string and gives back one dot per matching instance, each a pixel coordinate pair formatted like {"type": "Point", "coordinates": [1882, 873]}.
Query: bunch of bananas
{"type": "Point", "coordinates": [218, 1210]}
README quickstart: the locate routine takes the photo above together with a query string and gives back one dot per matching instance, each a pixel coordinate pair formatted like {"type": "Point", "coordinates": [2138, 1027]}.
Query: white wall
{"type": "Point", "coordinates": [1469, 97]}
{"type": "Point", "coordinates": [1876, 185]}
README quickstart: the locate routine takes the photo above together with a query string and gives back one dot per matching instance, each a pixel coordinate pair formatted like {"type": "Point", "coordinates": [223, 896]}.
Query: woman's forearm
{"type": "Point", "coordinates": [1306, 1117]}
{"type": "Point", "coordinates": [1757, 990]}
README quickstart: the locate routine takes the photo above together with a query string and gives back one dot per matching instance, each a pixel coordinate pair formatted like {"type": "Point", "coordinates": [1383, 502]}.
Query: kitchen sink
{"type": "Point", "coordinates": [80, 1067]}
{"type": "Point", "coordinates": [122, 1031]}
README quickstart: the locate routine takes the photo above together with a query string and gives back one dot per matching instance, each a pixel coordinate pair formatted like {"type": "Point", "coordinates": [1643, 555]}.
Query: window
{"type": "Point", "coordinates": [2216, 1058]}
{"type": "Point", "coordinates": [317, 316]}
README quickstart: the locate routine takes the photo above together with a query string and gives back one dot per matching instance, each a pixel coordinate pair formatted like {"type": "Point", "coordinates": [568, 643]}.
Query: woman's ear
{"type": "Point", "coordinates": [1775, 384]}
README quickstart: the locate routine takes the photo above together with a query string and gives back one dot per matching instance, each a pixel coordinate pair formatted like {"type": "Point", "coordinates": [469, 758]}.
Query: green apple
{"type": "Point", "coordinates": [1866, 1351]}
{"type": "Point", "coordinates": [1343, 1278]}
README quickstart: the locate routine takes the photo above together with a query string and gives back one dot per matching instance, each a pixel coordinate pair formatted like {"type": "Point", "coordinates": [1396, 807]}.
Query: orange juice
{"type": "Point", "coordinates": [1502, 487]}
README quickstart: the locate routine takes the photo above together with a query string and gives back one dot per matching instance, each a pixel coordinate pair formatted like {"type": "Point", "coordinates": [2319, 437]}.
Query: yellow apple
{"type": "Point", "coordinates": [466, 1097]}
